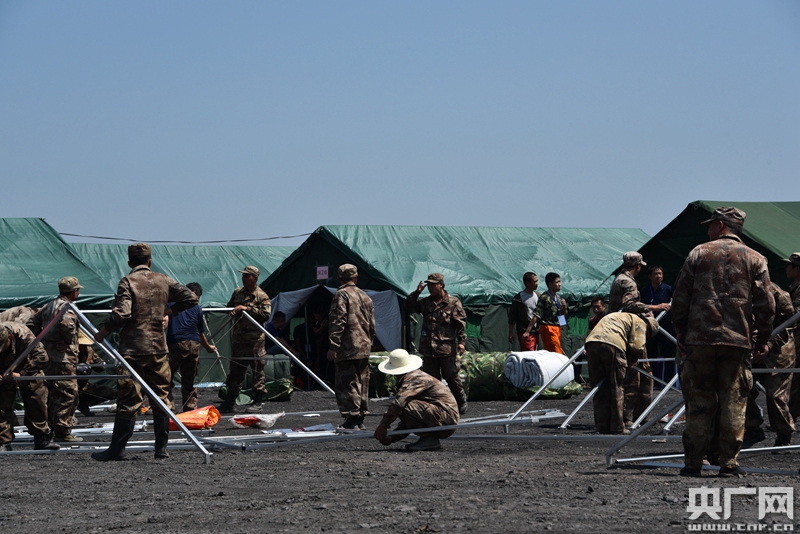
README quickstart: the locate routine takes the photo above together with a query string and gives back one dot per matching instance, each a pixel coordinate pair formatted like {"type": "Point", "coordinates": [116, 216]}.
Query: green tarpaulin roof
{"type": "Point", "coordinates": [33, 257]}
{"type": "Point", "coordinates": [215, 268]}
{"type": "Point", "coordinates": [482, 265]}
{"type": "Point", "coordinates": [771, 228]}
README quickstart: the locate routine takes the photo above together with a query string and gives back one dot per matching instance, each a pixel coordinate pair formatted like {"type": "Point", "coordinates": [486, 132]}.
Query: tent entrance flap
{"type": "Point", "coordinates": [388, 317]}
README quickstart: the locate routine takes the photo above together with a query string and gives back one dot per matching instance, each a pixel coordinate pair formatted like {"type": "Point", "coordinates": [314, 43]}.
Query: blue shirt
{"type": "Point", "coordinates": [662, 295]}
{"type": "Point", "coordinates": [186, 326]}
{"type": "Point", "coordinates": [269, 327]}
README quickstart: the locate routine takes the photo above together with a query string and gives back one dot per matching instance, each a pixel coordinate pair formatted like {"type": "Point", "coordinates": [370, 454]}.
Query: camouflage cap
{"type": "Point", "coordinates": [3, 336]}
{"type": "Point", "coordinates": [794, 259]}
{"type": "Point", "coordinates": [435, 278]}
{"type": "Point", "coordinates": [139, 250]}
{"type": "Point", "coordinates": [348, 271]}
{"type": "Point", "coordinates": [632, 258]}
{"type": "Point", "coordinates": [728, 215]}
{"type": "Point", "coordinates": [68, 284]}
{"type": "Point", "coordinates": [250, 269]}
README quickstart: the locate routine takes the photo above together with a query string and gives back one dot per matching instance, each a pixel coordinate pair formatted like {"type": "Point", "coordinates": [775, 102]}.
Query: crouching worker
{"type": "Point", "coordinates": [422, 402]}
{"type": "Point", "coordinates": [612, 346]}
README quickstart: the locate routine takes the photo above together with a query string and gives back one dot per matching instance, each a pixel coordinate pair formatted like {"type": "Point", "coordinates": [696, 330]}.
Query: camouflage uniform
{"type": "Point", "coordinates": [422, 402]}
{"type": "Point", "coordinates": [794, 398]}
{"type": "Point", "coordinates": [139, 307]}
{"type": "Point", "coordinates": [722, 286]}
{"type": "Point", "coordinates": [549, 329]}
{"type": "Point", "coordinates": [247, 349]}
{"type": "Point", "coordinates": [624, 296]}
{"type": "Point", "coordinates": [612, 346]}
{"type": "Point", "coordinates": [351, 331]}
{"type": "Point", "coordinates": [444, 327]}
{"type": "Point", "coordinates": [34, 392]}
{"type": "Point", "coordinates": [62, 396]}
{"type": "Point", "coordinates": [777, 385]}
{"type": "Point", "coordinates": [18, 314]}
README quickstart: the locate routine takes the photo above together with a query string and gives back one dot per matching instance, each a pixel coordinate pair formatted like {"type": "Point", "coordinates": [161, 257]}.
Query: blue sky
{"type": "Point", "coordinates": [198, 121]}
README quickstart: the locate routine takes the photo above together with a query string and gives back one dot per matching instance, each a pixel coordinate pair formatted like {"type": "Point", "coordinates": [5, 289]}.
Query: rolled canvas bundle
{"type": "Point", "coordinates": [534, 368]}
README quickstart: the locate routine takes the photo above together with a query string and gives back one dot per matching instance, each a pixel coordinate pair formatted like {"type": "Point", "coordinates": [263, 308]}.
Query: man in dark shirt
{"type": "Point", "coordinates": [657, 292]}
{"type": "Point", "coordinates": [185, 334]}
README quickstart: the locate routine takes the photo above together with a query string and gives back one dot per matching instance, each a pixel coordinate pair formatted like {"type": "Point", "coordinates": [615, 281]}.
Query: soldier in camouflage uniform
{"type": "Point", "coordinates": [18, 314]}
{"type": "Point", "coordinates": [793, 273]}
{"type": "Point", "coordinates": [615, 344]}
{"type": "Point", "coordinates": [248, 340]}
{"type": "Point", "coordinates": [14, 339]}
{"type": "Point", "coordinates": [777, 385]}
{"type": "Point", "coordinates": [624, 296]}
{"type": "Point", "coordinates": [421, 402]}
{"type": "Point", "coordinates": [444, 332]}
{"type": "Point", "coordinates": [139, 308]}
{"type": "Point", "coordinates": [351, 331]}
{"type": "Point", "coordinates": [722, 289]}
{"type": "Point", "coordinates": [61, 344]}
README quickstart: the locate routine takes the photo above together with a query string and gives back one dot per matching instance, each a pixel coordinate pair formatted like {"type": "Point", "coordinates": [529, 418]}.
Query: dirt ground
{"type": "Point", "coordinates": [471, 485]}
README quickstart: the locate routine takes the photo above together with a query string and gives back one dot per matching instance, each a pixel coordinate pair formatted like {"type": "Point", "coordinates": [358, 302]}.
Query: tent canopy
{"type": "Point", "coordinates": [33, 257]}
{"type": "Point", "coordinates": [482, 265]}
{"type": "Point", "coordinates": [215, 268]}
{"type": "Point", "coordinates": [771, 228]}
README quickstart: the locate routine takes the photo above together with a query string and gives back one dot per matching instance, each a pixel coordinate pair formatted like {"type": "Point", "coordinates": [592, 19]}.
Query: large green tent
{"type": "Point", "coordinates": [215, 268]}
{"type": "Point", "coordinates": [483, 266]}
{"type": "Point", "coordinates": [771, 228]}
{"type": "Point", "coordinates": [33, 257]}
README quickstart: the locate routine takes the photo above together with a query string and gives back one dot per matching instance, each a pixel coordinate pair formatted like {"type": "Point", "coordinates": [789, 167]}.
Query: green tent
{"type": "Point", "coordinates": [771, 228]}
{"type": "Point", "coordinates": [215, 268]}
{"type": "Point", "coordinates": [33, 257]}
{"type": "Point", "coordinates": [483, 266]}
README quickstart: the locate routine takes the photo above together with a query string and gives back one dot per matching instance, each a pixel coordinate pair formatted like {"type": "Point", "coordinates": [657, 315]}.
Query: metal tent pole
{"type": "Point", "coordinates": [565, 425]}
{"type": "Point", "coordinates": [289, 354]}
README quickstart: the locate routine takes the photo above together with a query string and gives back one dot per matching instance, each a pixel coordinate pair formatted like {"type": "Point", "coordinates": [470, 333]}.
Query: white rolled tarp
{"type": "Point", "coordinates": [534, 368]}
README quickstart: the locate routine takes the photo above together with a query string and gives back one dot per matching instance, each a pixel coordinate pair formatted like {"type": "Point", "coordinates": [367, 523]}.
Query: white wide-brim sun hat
{"type": "Point", "coordinates": [400, 362]}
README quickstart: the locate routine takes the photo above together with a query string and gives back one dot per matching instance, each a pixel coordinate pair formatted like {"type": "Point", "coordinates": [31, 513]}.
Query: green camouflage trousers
{"type": "Point", "coordinates": [154, 370]}
{"type": "Point", "coordinates": [243, 356]}
{"type": "Point", "coordinates": [638, 389]}
{"type": "Point", "coordinates": [34, 397]}
{"type": "Point", "coordinates": [62, 397]}
{"type": "Point", "coordinates": [447, 368]}
{"type": "Point", "coordinates": [421, 414]}
{"type": "Point", "coordinates": [778, 387]}
{"type": "Point", "coordinates": [352, 387]}
{"type": "Point", "coordinates": [716, 381]}
{"type": "Point", "coordinates": [609, 362]}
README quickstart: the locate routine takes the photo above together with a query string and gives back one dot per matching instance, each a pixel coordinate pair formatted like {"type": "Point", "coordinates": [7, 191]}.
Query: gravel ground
{"type": "Point", "coordinates": [471, 485]}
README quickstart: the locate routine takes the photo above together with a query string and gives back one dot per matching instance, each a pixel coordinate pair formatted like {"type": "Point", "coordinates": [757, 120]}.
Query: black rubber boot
{"type": "Point", "coordinates": [161, 429]}
{"type": "Point", "coordinates": [123, 430]}
{"type": "Point", "coordinates": [44, 442]}
{"type": "Point", "coordinates": [229, 404]}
